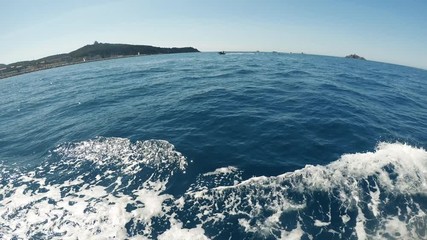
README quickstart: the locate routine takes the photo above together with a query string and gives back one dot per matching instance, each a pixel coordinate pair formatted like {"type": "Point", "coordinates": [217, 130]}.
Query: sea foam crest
{"type": "Point", "coordinates": [91, 189]}
{"type": "Point", "coordinates": [122, 152]}
{"type": "Point", "coordinates": [395, 166]}
{"type": "Point", "coordinates": [377, 194]}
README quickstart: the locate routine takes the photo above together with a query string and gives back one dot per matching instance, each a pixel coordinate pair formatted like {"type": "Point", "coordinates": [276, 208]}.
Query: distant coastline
{"type": "Point", "coordinates": [89, 53]}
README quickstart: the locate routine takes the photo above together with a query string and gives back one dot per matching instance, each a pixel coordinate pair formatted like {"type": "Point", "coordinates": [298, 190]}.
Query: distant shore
{"type": "Point", "coordinates": [88, 53]}
{"type": "Point", "coordinates": [3, 76]}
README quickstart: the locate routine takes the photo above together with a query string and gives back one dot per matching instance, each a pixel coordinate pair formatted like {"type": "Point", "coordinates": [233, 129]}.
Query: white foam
{"type": "Point", "coordinates": [408, 162]}
{"type": "Point", "coordinates": [87, 210]}
{"type": "Point", "coordinates": [152, 201]}
{"type": "Point", "coordinates": [223, 170]}
{"type": "Point", "coordinates": [360, 225]}
{"type": "Point", "coordinates": [394, 168]}
{"type": "Point", "coordinates": [83, 208]}
{"type": "Point", "coordinates": [178, 232]}
{"type": "Point", "coordinates": [375, 201]}
{"type": "Point", "coordinates": [396, 228]}
{"type": "Point", "coordinates": [293, 234]}
{"type": "Point", "coordinates": [122, 152]}
{"type": "Point", "coordinates": [319, 223]}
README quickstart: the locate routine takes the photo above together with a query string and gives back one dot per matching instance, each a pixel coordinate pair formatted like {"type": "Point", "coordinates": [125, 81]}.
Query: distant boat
{"type": "Point", "coordinates": [221, 53]}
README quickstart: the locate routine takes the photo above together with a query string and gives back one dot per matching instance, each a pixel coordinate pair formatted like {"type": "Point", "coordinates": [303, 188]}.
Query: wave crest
{"type": "Point", "coordinates": [122, 152]}
{"type": "Point", "coordinates": [375, 194]}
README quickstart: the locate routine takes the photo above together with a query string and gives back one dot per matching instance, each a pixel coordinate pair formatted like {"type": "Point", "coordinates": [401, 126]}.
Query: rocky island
{"type": "Point", "coordinates": [93, 52]}
{"type": "Point", "coordinates": [355, 56]}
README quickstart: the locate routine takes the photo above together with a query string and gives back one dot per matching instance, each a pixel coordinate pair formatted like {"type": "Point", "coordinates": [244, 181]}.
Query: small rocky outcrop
{"type": "Point", "coordinates": [355, 56]}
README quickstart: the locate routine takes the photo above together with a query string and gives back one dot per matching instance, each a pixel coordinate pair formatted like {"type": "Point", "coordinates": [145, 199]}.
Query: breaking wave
{"type": "Point", "coordinates": [107, 188]}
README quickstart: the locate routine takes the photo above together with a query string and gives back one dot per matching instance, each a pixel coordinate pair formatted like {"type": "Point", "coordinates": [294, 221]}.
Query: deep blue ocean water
{"type": "Point", "coordinates": [208, 146]}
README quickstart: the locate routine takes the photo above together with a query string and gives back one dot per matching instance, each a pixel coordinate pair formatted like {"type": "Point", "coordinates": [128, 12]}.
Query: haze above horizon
{"type": "Point", "coordinates": [387, 31]}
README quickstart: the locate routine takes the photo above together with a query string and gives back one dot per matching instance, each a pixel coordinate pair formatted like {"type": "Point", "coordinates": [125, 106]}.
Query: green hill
{"type": "Point", "coordinates": [93, 52]}
{"type": "Point", "coordinates": [105, 50]}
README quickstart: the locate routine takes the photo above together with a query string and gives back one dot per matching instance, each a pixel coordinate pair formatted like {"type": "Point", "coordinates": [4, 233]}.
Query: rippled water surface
{"type": "Point", "coordinates": [208, 146]}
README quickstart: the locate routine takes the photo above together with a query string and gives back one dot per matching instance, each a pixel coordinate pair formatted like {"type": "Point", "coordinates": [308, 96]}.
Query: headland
{"type": "Point", "coordinates": [89, 53]}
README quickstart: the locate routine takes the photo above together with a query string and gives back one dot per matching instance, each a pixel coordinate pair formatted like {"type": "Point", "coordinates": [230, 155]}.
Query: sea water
{"type": "Point", "coordinates": [208, 146]}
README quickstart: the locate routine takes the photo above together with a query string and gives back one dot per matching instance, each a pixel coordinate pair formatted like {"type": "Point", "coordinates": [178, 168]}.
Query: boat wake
{"type": "Point", "coordinates": [113, 188]}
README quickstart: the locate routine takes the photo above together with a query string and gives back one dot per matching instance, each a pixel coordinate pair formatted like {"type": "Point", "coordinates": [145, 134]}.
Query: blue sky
{"type": "Point", "coordinates": [383, 30]}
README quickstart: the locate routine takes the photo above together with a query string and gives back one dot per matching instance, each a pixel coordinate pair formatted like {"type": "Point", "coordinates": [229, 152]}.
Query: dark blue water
{"type": "Point", "coordinates": [204, 146]}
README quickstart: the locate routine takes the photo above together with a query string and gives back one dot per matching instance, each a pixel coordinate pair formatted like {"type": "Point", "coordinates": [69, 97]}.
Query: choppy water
{"type": "Point", "coordinates": [203, 146]}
